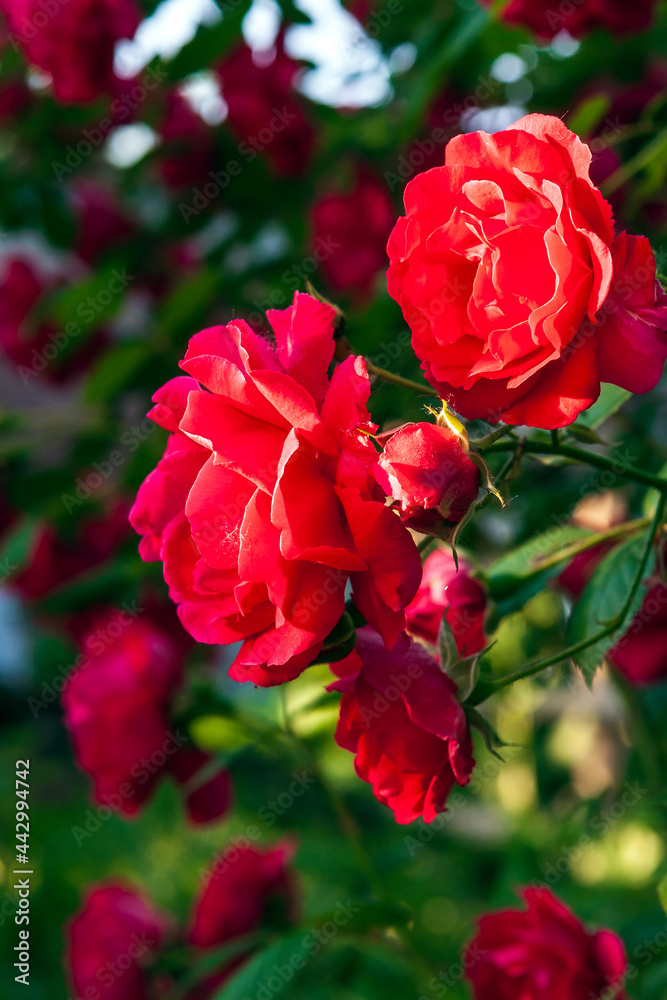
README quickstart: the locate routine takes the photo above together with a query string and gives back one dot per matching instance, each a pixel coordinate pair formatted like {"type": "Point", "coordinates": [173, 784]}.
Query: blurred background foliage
{"type": "Point", "coordinates": [382, 87]}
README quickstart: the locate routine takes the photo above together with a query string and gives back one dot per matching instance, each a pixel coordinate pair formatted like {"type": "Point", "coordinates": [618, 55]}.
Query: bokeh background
{"type": "Point", "coordinates": [262, 145]}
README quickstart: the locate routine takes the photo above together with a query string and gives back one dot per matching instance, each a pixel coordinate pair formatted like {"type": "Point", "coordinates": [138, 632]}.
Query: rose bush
{"type": "Point", "coordinates": [264, 505]}
{"type": "Point", "coordinates": [502, 338]}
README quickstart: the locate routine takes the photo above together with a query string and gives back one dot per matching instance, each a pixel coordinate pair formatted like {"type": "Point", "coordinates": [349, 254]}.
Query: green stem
{"type": "Point", "coordinates": [405, 383]}
{"type": "Point", "coordinates": [482, 443]}
{"type": "Point", "coordinates": [488, 686]}
{"type": "Point", "coordinates": [614, 465]}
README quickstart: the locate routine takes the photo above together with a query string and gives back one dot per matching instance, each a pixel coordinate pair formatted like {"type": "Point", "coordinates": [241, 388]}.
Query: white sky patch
{"type": "Point", "coordinates": [261, 24]}
{"type": "Point", "coordinates": [164, 33]}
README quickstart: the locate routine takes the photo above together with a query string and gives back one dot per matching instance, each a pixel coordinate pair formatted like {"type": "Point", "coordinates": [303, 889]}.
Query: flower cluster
{"type": "Point", "coordinates": [116, 938]}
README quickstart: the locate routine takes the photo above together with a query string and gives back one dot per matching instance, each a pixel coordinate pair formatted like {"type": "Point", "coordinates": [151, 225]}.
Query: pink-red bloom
{"type": "Point", "coordinates": [427, 471]}
{"type": "Point", "coordinates": [264, 505]}
{"type": "Point", "coordinates": [401, 717]}
{"type": "Point", "coordinates": [543, 953]}
{"type": "Point", "coordinates": [520, 297]}
{"type": "Point", "coordinates": [264, 110]}
{"type": "Point", "coordinates": [116, 705]}
{"type": "Point", "coordinates": [350, 234]}
{"type": "Point", "coordinates": [74, 42]}
{"type": "Point", "coordinates": [457, 595]}
{"type": "Point", "coordinates": [115, 928]}
{"type": "Point", "coordinates": [547, 18]}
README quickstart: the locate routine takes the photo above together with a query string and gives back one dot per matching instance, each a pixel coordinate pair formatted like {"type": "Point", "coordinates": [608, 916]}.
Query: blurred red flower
{"type": "Point", "coordinates": [580, 16]}
{"type": "Point", "coordinates": [74, 42]}
{"type": "Point", "coordinates": [187, 156]}
{"type": "Point", "coordinates": [543, 953]}
{"type": "Point", "coordinates": [116, 704]}
{"type": "Point", "coordinates": [264, 109]}
{"type": "Point", "coordinates": [110, 940]}
{"type": "Point", "coordinates": [350, 233]}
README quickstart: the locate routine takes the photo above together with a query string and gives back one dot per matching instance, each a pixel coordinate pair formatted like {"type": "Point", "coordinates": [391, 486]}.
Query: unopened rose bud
{"type": "Point", "coordinates": [427, 470]}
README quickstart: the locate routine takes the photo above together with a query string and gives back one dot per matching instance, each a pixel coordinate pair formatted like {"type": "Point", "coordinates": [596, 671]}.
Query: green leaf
{"type": "Point", "coordinates": [587, 115]}
{"type": "Point", "coordinates": [117, 367]}
{"type": "Point", "coordinates": [611, 399]}
{"type": "Point", "coordinates": [513, 572]}
{"type": "Point", "coordinates": [17, 546]}
{"type": "Point", "coordinates": [287, 956]}
{"type": "Point", "coordinates": [603, 599]}
{"type": "Point", "coordinates": [90, 304]}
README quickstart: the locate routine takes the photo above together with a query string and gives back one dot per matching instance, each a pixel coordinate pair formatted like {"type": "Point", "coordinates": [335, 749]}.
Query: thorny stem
{"type": "Point", "coordinates": [487, 686]}
{"type": "Point", "coordinates": [615, 465]}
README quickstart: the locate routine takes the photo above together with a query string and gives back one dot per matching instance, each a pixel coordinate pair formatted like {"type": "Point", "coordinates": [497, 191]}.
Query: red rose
{"type": "Point", "coordinates": [400, 715]}
{"type": "Point", "coordinates": [243, 886]}
{"type": "Point", "coordinates": [543, 953]}
{"type": "Point", "coordinates": [263, 109]}
{"type": "Point", "coordinates": [455, 594]}
{"type": "Point", "coordinates": [104, 935]}
{"type": "Point", "coordinates": [350, 234]}
{"type": "Point", "coordinates": [427, 471]}
{"type": "Point", "coordinates": [520, 298]}
{"type": "Point", "coordinates": [580, 16]}
{"type": "Point", "coordinates": [264, 506]}
{"type": "Point", "coordinates": [116, 707]}
{"type": "Point", "coordinates": [75, 43]}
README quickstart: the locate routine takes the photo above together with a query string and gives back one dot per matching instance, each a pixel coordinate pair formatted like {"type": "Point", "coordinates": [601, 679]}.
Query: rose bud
{"type": "Point", "coordinates": [543, 953]}
{"type": "Point", "coordinates": [106, 928]}
{"type": "Point", "coordinates": [401, 717]}
{"type": "Point", "coordinates": [427, 471]}
{"type": "Point", "coordinates": [456, 594]}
